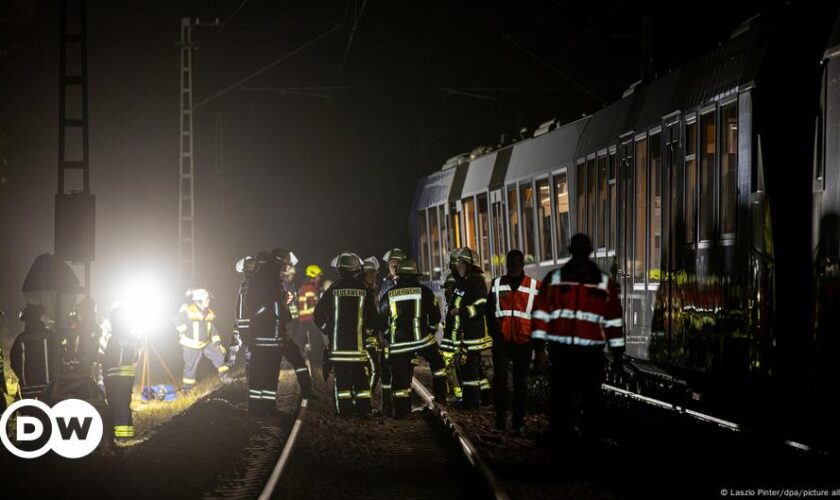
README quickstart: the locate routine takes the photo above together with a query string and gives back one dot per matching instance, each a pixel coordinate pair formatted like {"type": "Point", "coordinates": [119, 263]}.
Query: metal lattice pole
{"type": "Point", "coordinates": [186, 188]}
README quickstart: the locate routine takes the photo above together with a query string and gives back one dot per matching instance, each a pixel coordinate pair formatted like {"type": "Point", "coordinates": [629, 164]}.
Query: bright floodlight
{"type": "Point", "coordinates": [144, 298]}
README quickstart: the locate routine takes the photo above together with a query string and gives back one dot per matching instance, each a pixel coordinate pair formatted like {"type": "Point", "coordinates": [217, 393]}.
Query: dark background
{"type": "Point", "coordinates": [319, 170]}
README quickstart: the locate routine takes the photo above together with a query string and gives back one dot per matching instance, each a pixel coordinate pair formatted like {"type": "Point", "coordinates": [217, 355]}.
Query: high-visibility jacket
{"type": "Point", "coordinates": [195, 327]}
{"type": "Point", "coordinates": [509, 307]}
{"type": "Point", "coordinates": [469, 327]}
{"type": "Point", "coordinates": [36, 360]}
{"type": "Point", "coordinates": [306, 300]}
{"type": "Point", "coordinates": [412, 314]}
{"type": "Point", "coordinates": [346, 313]}
{"type": "Point", "coordinates": [578, 305]}
{"type": "Point", "coordinates": [121, 355]}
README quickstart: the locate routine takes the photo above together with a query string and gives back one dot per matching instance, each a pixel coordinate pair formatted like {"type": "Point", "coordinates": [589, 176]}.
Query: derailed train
{"type": "Point", "coordinates": [712, 195]}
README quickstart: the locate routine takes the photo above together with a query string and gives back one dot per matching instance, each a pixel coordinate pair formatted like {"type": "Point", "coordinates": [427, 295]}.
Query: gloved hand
{"type": "Point", "coordinates": [448, 358]}
{"type": "Point", "coordinates": [222, 348]}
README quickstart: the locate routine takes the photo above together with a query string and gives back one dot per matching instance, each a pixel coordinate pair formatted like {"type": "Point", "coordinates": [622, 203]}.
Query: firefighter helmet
{"type": "Point", "coordinates": [246, 265]}
{"type": "Point", "coordinates": [198, 294]}
{"type": "Point", "coordinates": [468, 256]}
{"type": "Point", "coordinates": [371, 264]}
{"type": "Point", "coordinates": [449, 282]}
{"type": "Point", "coordinates": [32, 312]}
{"type": "Point", "coordinates": [313, 271]}
{"type": "Point", "coordinates": [348, 261]}
{"type": "Point", "coordinates": [408, 267]}
{"type": "Point", "coordinates": [394, 253]}
{"type": "Point", "coordinates": [284, 256]}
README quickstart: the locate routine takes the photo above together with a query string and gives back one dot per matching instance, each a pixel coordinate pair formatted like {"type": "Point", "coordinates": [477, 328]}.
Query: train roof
{"type": "Point", "coordinates": [731, 67]}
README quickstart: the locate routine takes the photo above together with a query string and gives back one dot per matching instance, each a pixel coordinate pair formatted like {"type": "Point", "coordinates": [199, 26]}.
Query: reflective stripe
{"type": "Point", "coordinates": [562, 339]}
{"type": "Point", "coordinates": [216, 338]}
{"type": "Point", "coordinates": [223, 369]}
{"type": "Point", "coordinates": [471, 383]}
{"type": "Point", "coordinates": [363, 394]}
{"type": "Point", "coordinates": [484, 384]}
{"type": "Point", "coordinates": [619, 342]}
{"type": "Point", "coordinates": [439, 373]}
{"type": "Point", "coordinates": [412, 346]}
{"type": "Point", "coordinates": [304, 369]}
{"type": "Point", "coordinates": [189, 381]}
{"type": "Point", "coordinates": [508, 313]}
{"type": "Point", "coordinates": [404, 393]}
{"type": "Point", "coordinates": [408, 296]}
{"type": "Point", "coordinates": [614, 323]}
{"type": "Point", "coordinates": [573, 314]}
{"type": "Point", "coordinates": [345, 395]}
{"type": "Point", "coordinates": [538, 334]}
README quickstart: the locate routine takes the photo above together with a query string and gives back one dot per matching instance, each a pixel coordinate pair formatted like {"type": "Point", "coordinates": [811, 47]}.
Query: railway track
{"type": "Point", "coordinates": [424, 456]}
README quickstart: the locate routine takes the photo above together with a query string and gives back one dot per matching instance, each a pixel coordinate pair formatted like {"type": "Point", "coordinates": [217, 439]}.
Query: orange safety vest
{"type": "Point", "coordinates": [513, 309]}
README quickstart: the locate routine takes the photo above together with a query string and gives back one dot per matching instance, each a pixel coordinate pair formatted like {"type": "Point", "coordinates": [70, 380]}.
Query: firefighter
{"type": "Point", "coordinates": [308, 295]}
{"type": "Point", "coordinates": [379, 372]}
{"type": "Point", "coordinates": [509, 307]}
{"type": "Point", "coordinates": [577, 312]}
{"type": "Point", "coordinates": [287, 279]}
{"type": "Point", "coordinates": [83, 336]}
{"type": "Point", "coordinates": [246, 267]}
{"type": "Point", "coordinates": [453, 369]}
{"type": "Point", "coordinates": [36, 353]}
{"type": "Point", "coordinates": [413, 316]}
{"type": "Point", "coordinates": [468, 334]}
{"type": "Point", "coordinates": [347, 315]}
{"type": "Point", "coordinates": [118, 362]}
{"type": "Point", "coordinates": [198, 335]}
{"type": "Point", "coordinates": [268, 341]}
{"type": "Point", "coordinates": [392, 258]}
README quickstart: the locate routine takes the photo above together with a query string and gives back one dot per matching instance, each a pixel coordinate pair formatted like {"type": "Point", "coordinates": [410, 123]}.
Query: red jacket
{"type": "Point", "coordinates": [509, 311]}
{"type": "Point", "coordinates": [578, 306]}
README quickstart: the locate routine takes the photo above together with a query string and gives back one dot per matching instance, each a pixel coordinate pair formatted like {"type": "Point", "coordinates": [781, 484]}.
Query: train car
{"type": "Point", "coordinates": [711, 194]}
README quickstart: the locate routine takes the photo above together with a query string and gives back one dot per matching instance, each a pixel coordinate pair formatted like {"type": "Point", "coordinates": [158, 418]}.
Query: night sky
{"type": "Point", "coordinates": [318, 171]}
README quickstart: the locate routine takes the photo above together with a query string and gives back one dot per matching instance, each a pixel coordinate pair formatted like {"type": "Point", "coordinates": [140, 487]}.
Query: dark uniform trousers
{"type": "Point", "coordinates": [401, 374]}
{"type": "Point", "coordinates": [264, 372]}
{"type": "Point", "coordinates": [577, 373]}
{"type": "Point", "coordinates": [118, 393]}
{"type": "Point", "coordinates": [520, 355]}
{"type": "Point", "coordinates": [352, 385]}
{"type": "Point", "coordinates": [387, 377]}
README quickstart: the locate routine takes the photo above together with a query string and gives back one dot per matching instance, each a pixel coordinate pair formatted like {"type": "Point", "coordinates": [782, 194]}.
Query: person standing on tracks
{"type": "Point", "coordinates": [448, 347]}
{"type": "Point", "coordinates": [509, 307]}
{"type": "Point", "coordinates": [467, 332]}
{"type": "Point", "coordinates": [268, 341]}
{"type": "Point", "coordinates": [577, 312]}
{"type": "Point", "coordinates": [308, 295]}
{"type": "Point", "coordinates": [413, 316]}
{"type": "Point", "coordinates": [36, 353]}
{"type": "Point", "coordinates": [196, 327]}
{"type": "Point", "coordinates": [119, 360]}
{"type": "Point", "coordinates": [347, 315]}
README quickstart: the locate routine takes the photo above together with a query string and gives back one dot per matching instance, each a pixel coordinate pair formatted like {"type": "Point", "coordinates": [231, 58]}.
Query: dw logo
{"type": "Point", "coordinates": [72, 428]}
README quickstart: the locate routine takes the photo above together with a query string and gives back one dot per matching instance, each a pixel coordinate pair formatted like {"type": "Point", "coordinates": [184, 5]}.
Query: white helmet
{"type": "Point", "coordinates": [198, 294]}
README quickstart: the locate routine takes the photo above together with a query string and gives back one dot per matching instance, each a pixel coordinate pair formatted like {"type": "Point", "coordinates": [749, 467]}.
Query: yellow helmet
{"type": "Point", "coordinates": [313, 271]}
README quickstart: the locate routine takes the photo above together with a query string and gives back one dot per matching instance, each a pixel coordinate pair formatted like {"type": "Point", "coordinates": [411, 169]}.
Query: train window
{"type": "Point", "coordinates": [707, 176]}
{"type": "Point", "coordinates": [499, 236]}
{"type": "Point", "coordinates": [655, 243]}
{"type": "Point", "coordinates": [611, 223]}
{"type": "Point", "coordinates": [424, 243]}
{"type": "Point", "coordinates": [640, 219]}
{"type": "Point", "coordinates": [729, 170]}
{"type": "Point", "coordinates": [544, 220]}
{"type": "Point", "coordinates": [434, 229]}
{"type": "Point", "coordinates": [483, 233]}
{"type": "Point", "coordinates": [601, 230]}
{"type": "Point", "coordinates": [690, 192]}
{"type": "Point", "coordinates": [591, 201]}
{"type": "Point", "coordinates": [580, 214]}
{"type": "Point", "coordinates": [561, 204]}
{"type": "Point", "coordinates": [526, 194]}
{"type": "Point", "coordinates": [444, 236]}
{"type": "Point", "coordinates": [513, 217]}
{"type": "Point", "coordinates": [468, 206]}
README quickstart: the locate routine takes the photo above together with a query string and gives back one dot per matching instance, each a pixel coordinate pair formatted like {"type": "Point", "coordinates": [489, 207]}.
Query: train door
{"type": "Point", "coordinates": [497, 232]}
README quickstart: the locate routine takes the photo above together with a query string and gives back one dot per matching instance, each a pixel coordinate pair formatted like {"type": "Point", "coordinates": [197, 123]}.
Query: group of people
{"type": "Point", "coordinates": [375, 331]}
{"type": "Point", "coordinates": [371, 333]}
{"type": "Point", "coordinates": [80, 363]}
